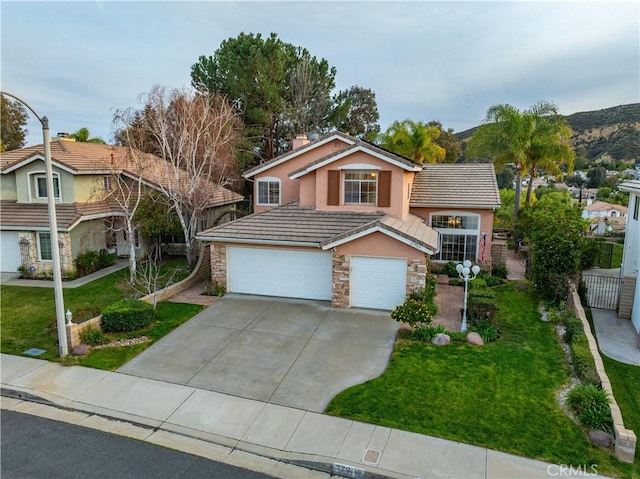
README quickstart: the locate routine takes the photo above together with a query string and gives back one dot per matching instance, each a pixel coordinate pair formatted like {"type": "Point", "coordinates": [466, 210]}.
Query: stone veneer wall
{"type": "Point", "coordinates": [219, 265]}
{"type": "Point", "coordinates": [66, 257]}
{"type": "Point", "coordinates": [341, 287]}
{"type": "Point", "coordinates": [624, 439]}
{"type": "Point", "coordinates": [416, 274]}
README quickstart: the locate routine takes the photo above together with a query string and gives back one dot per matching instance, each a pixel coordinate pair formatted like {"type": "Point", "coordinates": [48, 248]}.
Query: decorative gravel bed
{"type": "Point", "coordinates": [124, 342]}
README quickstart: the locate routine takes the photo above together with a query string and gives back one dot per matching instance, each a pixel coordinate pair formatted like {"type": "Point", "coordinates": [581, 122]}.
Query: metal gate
{"type": "Point", "coordinates": [603, 292]}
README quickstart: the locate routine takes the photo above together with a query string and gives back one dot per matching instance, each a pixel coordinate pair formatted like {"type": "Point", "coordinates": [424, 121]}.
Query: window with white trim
{"type": "Point", "coordinates": [269, 191]}
{"type": "Point", "coordinates": [459, 235]}
{"type": "Point", "coordinates": [40, 186]}
{"type": "Point", "coordinates": [44, 247]}
{"type": "Point", "coordinates": [360, 187]}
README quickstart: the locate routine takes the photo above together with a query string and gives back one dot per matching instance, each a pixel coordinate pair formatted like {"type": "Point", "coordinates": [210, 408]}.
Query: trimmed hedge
{"type": "Point", "coordinates": [481, 306]}
{"type": "Point", "coordinates": [127, 315]}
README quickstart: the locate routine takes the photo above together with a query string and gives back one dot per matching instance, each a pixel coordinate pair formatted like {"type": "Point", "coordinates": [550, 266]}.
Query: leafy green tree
{"type": "Point", "coordinates": [577, 181]}
{"type": "Point", "coordinates": [83, 136]}
{"type": "Point", "coordinates": [13, 119]}
{"type": "Point", "coordinates": [447, 140]}
{"type": "Point", "coordinates": [154, 219]}
{"type": "Point", "coordinates": [505, 178]}
{"type": "Point", "coordinates": [596, 176]}
{"type": "Point", "coordinates": [528, 139]}
{"type": "Point", "coordinates": [555, 230]}
{"type": "Point", "coordinates": [256, 74]}
{"type": "Point", "coordinates": [355, 112]}
{"type": "Point", "coordinates": [414, 140]}
{"type": "Point", "coordinates": [604, 193]}
{"type": "Point", "coordinates": [540, 191]}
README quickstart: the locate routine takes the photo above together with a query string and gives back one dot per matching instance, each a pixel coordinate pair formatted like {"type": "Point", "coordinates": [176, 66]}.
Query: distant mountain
{"type": "Point", "coordinates": [609, 134]}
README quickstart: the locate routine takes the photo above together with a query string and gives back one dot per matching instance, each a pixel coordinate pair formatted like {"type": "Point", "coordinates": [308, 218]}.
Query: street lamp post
{"type": "Point", "coordinates": [53, 226]}
{"type": "Point", "coordinates": [464, 272]}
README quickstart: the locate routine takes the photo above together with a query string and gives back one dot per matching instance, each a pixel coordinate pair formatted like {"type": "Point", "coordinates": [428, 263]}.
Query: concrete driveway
{"type": "Point", "coordinates": [289, 352]}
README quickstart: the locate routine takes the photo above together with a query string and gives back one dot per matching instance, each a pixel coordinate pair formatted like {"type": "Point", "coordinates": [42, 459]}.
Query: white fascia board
{"type": "Point", "coordinates": [96, 216]}
{"type": "Point", "coordinates": [630, 187]}
{"type": "Point", "coordinates": [297, 153]}
{"type": "Point", "coordinates": [41, 158]}
{"type": "Point", "coordinates": [351, 151]}
{"type": "Point", "coordinates": [375, 229]}
{"type": "Point", "coordinates": [32, 228]}
{"type": "Point", "coordinates": [222, 239]}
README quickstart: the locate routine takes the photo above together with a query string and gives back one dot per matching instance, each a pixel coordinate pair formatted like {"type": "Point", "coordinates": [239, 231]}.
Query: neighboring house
{"type": "Point", "coordinates": [605, 217]}
{"type": "Point", "coordinates": [342, 220]}
{"type": "Point", "coordinates": [83, 175]}
{"type": "Point", "coordinates": [630, 291]}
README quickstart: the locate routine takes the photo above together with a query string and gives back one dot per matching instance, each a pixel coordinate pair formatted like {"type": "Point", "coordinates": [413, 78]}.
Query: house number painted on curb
{"type": "Point", "coordinates": [348, 471]}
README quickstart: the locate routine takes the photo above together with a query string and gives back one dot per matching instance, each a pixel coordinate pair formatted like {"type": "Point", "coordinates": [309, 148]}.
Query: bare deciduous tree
{"type": "Point", "coordinates": [195, 135]}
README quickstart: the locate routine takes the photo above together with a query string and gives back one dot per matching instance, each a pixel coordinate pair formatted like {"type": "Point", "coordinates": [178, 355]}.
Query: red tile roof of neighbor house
{"type": "Point", "coordinates": [91, 159]}
{"type": "Point", "coordinates": [293, 224]}
{"type": "Point", "coordinates": [604, 206]}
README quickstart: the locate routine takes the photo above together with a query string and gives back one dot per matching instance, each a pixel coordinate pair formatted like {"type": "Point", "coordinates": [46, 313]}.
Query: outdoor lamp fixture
{"type": "Point", "coordinates": [53, 227]}
{"type": "Point", "coordinates": [464, 272]}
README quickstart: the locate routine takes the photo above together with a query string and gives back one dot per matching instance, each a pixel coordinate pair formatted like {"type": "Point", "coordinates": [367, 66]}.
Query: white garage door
{"type": "Point", "coordinates": [9, 251]}
{"type": "Point", "coordinates": [278, 272]}
{"type": "Point", "coordinates": [378, 283]}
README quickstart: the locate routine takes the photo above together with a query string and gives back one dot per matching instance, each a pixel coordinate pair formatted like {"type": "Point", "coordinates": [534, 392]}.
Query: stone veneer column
{"type": "Point", "coordinates": [341, 289]}
{"type": "Point", "coordinates": [416, 274]}
{"type": "Point", "coordinates": [218, 264]}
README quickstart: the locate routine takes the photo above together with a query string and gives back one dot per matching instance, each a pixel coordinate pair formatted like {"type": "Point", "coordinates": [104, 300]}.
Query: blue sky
{"type": "Point", "coordinates": [76, 62]}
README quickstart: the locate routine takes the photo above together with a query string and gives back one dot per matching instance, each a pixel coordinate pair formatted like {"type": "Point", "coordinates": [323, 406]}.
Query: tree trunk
{"type": "Point", "coordinates": [132, 252]}
{"type": "Point", "coordinates": [518, 193]}
{"type": "Point", "coordinates": [530, 189]}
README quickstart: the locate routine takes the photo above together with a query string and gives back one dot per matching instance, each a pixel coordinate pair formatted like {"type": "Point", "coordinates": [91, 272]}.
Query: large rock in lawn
{"type": "Point", "coordinates": [441, 339]}
{"type": "Point", "coordinates": [475, 339]}
{"type": "Point", "coordinates": [80, 350]}
{"type": "Point", "coordinates": [601, 438]}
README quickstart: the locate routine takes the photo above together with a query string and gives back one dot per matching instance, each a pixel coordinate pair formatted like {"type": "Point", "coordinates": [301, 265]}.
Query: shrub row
{"type": "Point", "coordinates": [91, 261]}
{"type": "Point", "coordinates": [127, 315]}
{"type": "Point", "coordinates": [591, 406]}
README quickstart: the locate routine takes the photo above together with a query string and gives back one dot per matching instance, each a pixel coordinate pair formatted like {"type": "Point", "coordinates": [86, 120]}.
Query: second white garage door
{"type": "Point", "coordinates": [279, 272]}
{"type": "Point", "coordinates": [378, 283]}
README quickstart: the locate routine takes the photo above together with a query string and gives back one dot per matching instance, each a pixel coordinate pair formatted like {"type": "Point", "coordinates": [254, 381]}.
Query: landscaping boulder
{"type": "Point", "coordinates": [405, 330]}
{"type": "Point", "coordinates": [441, 339]}
{"type": "Point", "coordinates": [600, 438]}
{"type": "Point", "coordinates": [80, 350]}
{"type": "Point", "coordinates": [475, 339]}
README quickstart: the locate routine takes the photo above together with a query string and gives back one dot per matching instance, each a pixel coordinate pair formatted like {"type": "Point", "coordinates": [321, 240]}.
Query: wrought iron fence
{"type": "Point", "coordinates": [602, 292]}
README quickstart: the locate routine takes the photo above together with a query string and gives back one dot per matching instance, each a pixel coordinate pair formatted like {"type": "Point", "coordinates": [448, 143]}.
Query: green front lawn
{"type": "Point", "coordinates": [501, 395]}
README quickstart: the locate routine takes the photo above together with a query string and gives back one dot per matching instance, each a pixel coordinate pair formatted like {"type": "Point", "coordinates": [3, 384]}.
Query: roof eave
{"type": "Point", "coordinates": [230, 239]}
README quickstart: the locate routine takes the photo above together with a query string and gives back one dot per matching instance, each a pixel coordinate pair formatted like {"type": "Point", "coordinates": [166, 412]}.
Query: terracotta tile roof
{"type": "Point", "coordinates": [90, 158]}
{"type": "Point", "coordinates": [18, 216]}
{"type": "Point", "coordinates": [295, 224]}
{"type": "Point", "coordinates": [604, 206]}
{"type": "Point", "coordinates": [456, 186]}
{"type": "Point", "coordinates": [290, 223]}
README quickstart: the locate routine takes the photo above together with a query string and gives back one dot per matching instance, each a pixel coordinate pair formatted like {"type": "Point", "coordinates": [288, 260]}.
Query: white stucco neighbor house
{"type": "Point", "coordinates": [630, 290]}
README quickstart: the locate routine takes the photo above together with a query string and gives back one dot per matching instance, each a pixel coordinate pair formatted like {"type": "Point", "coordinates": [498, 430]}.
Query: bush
{"type": "Point", "coordinates": [93, 336]}
{"type": "Point", "coordinates": [583, 363]}
{"type": "Point", "coordinates": [450, 269]}
{"type": "Point", "coordinates": [427, 333]}
{"type": "Point", "coordinates": [456, 282]}
{"type": "Point", "coordinates": [499, 271]}
{"type": "Point", "coordinates": [591, 406]}
{"type": "Point", "coordinates": [87, 262]}
{"type": "Point", "coordinates": [412, 312]}
{"type": "Point", "coordinates": [478, 283]}
{"type": "Point", "coordinates": [481, 306]}
{"type": "Point", "coordinates": [127, 315]}
{"type": "Point", "coordinates": [487, 331]}
{"type": "Point", "coordinates": [107, 259]}
{"type": "Point", "coordinates": [572, 326]}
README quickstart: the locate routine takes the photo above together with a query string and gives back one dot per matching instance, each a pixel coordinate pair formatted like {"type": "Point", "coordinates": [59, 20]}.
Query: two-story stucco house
{"type": "Point", "coordinates": [629, 306]}
{"type": "Point", "coordinates": [342, 220]}
{"type": "Point", "coordinates": [83, 174]}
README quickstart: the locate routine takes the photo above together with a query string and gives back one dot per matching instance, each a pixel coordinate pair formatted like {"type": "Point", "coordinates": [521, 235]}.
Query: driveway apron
{"type": "Point", "coordinates": [288, 352]}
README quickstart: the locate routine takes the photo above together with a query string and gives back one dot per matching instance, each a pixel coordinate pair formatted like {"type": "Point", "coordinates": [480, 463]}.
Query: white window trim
{"type": "Point", "coordinates": [33, 183]}
{"type": "Point", "coordinates": [362, 170]}
{"type": "Point", "coordinates": [40, 250]}
{"type": "Point", "coordinates": [268, 179]}
{"type": "Point", "coordinates": [456, 231]}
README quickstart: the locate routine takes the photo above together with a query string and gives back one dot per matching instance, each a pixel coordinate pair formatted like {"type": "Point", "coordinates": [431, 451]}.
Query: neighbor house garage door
{"type": "Point", "coordinates": [9, 251]}
{"type": "Point", "coordinates": [378, 283]}
{"type": "Point", "coordinates": [279, 272]}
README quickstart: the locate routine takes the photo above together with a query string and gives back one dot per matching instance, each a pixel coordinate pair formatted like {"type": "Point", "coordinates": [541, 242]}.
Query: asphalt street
{"type": "Point", "coordinates": [37, 448]}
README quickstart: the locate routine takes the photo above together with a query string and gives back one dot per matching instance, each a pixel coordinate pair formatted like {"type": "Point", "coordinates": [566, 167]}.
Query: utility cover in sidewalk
{"type": "Point", "coordinates": [35, 351]}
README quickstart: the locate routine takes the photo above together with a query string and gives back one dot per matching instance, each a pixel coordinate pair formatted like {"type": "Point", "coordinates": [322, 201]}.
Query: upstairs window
{"type": "Point", "coordinates": [360, 187]}
{"type": "Point", "coordinates": [459, 236]}
{"type": "Point", "coordinates": [269, 191]}
{"type": "Point", "coordinates": [40, 184]}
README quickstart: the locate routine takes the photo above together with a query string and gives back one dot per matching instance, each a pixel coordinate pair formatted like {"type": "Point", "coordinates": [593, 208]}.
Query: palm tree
{"type": "Point", "coordinates": [83, 136]}
{"type": "Point", "coordinates": [530, 139]}
{"type": "Point", "coordinates": [413, 140]}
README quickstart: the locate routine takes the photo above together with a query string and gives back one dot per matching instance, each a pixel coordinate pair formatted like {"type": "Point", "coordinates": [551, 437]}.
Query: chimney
{"type": "Point", "coordinates": [63, 135]}
{"type": "Point", "coordinates": [113, 159]}
{"type": "Point", "coordinates": [298, 141]}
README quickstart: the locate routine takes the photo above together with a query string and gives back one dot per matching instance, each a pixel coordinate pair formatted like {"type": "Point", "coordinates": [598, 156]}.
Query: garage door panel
{"type": "Point", "coordinates": [9, 251]}
{"type": "Point", "coordinates": [378, 283]}
{"type": "Point", "coordinates": [278, 272]}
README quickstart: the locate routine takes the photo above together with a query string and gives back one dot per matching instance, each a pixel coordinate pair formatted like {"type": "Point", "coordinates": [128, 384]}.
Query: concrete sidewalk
{"type": "Point", "coordinates": [228, 423]}
{"type": "Point", "coordinates": [616, 337]}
